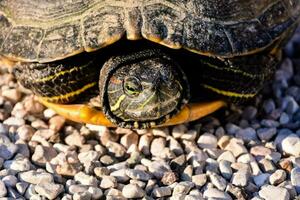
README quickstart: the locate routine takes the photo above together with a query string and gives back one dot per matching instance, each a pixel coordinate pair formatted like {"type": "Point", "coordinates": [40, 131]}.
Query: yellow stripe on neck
{"type": "Point", "coordinates": [229, 93]}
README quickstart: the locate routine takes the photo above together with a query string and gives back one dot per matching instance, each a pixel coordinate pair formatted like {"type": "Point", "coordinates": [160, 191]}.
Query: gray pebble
{"type": "Point", "coordinates": [225, 169]}
{"type": "Point", "coordinates": [247, 134]}
{"type": "Point", "coordinates": [95, 192]}
{"type": "Point", "coordinates": [213, 193]}
{"type": "Point", "coordinates": [138, 174]}
{"type": "Point", "coordinates": [21, 187]}
{"type": "Point", "coordinates": [82, 196]}
{"type": "Point", "coordinates": [120, 175]}
{"type": "Point", "coordinates": [162, 192]}
{"type": "Point", "coordinates": [35, 177]}
{"type": "Point", "coordinates": [265, 134]}
{"type": "Point", "coordinates": [183, 187]}
{"type": "Point", "coordinates": [10, 181]}
{"type": "Point", "coordinates": [261, 179]}
{"type": "Point", "coordinates": [277, 177]}
{"type": "Point", "coordinates": [207, 141]}
{"type": "Point", "coordinates": [240, 178]}
{"type": "Point", "coordinates": [108, 182]}
{"type": "Point", "coordinates": [133, 191]}
{"type": "Point", "coordinates": [3, 190]}
{"type": "Point", "coordinates": [19, 164]}
{"type": "Point", "coordinates": [218, 181]}
{"type": "Point", "coordinates": [157, 146]}
{"type": "Point", "coordinates": [7, 148]}
{"type": "Point", "coordinates": [269, 192]}
{"type": "Point", "coordinates": [295, 178]}
{"type": "Point", "coordinates": [199, 180]}
{"type": "Point", "coordinates": [78, 188]}
{"type": "Point", "coordinates": [85, 179]}
{"type": "Point", "coordinates": [49, 190]}
{"type": "Point", "coordinates": [291, 145]}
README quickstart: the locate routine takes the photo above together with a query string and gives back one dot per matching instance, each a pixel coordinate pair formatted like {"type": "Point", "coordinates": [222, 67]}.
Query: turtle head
{"type": "Point", "coordinates": [142, 89]}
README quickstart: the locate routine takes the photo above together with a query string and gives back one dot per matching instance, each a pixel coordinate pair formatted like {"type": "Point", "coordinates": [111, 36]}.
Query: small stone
{"type": "Point", "coordinates": [261, 179]}
{"type": "Point", "coordinates": [213, 193]}
{"type": "Point", "coordinates": [158, 168]}
{"type": "Point", "coordinates": [66, 164]}
{"type": "Point", "coordinates": [120, 175]}
{"type": "Point", "coordinates": [144, 144]}
{"type": "Point", "coordinates": [3, 190]}
{"type": "Point", "coordinates": [295, 178]}
{"type": "Point", "coordinates": [161, 132]}
{"type": "Point", "coordinates": [35, 177]}
{"type": "Point", "coordinates": [183, 187]}
{"type": "Point", "coordinates": [7, 148]}
{"type": "Point", "coordinates": [169, 178]}
{"type": "Point", "coordinates": [267, 166]}
{"type": "Point", "coordinates": [269, 123]}
{"type": "Point", "coordinates": [48, 113]}
{"type": "Point", "coordinates": [265, 134]}
{"type": "Point", "coordinates": [21, 187]}
{"type": "Point", "coordinates": [133, 191]}
{"type": "Point", "coordinates": [19, 164]}
{"type": "Point", "coordinates": [199, 179]}
{"type": "Point", "coordinates": [178, 131]}
{"type": "Point", "coordinates": [187, 173]}
{"type": "Point", "coordinates": [129, 140]}
{"type": "Point", "coordinates": [228, 156]}
{"type": "Point", "coordinates": [175, 146]}
{"type": "Point", "coordinates": [95, 192]}
{"type": "Point", "coordinates": [10, 180]}
{"type": "Point", "coordinates": [225, 169]}
{"type": "Point", "coordinates": [108, 182]}
{"type": "Point", "coordinates": [291, 145]}
{"type": "Point", "coordinates": [224, 141]}
{"type": "Point", "coordinates": [56, 123]}
{"type": "Point", "coordinates": [13, 95]}
{"type": "Point", "coordinates": [82, 196]}
{"type": "Point", "coordinates": [25, 133]}
{"type": "Point", "coordinates": [117, 149]}
{"type": "Point", "coordinates": [236, 147]}
{"type": "Point", "coordinates": [157, 146]}
{"type": "Point", "coordinates": [218, 181]}
{"type": "Point", "coordinates": [85, 179]}
{"type": "Point", "coordinates": [284, 118]}
{"type": "Point", "coordinates": [161, 192]}
{"type": "Point", "coordinates": [78, 188]}
{"type": "Point", "coordinates": [43, 154]}
{"type": "Point", "coordinates": [240, 178]}
{"type": "Point", "coordinates": [189, 135]}
{"type": "Point", "coordinates": [75, 139]}
{"type": "Point", "coordinates": [33, 106]}
{"type": "Point", "coordinates": [101, 171]}
{"type": "Point", "coordinates": [247, 134]}
{"type": "Point", "coordinates": [260, 151]}
{"type": "Point", "coordinates": [88, 156]}
{"type": "Point", "coordinates": [269, 106]}
{"type": "Point", "coordinates": [269, 192]}
{"type": "Point", "coordinates": [49, 190]}
{"type": "Point", "coordinates": [277, 177]}
{"type": "Point", "coordinates": [138, 174]}
{"type": "Point", "coordinates": [207, 140]}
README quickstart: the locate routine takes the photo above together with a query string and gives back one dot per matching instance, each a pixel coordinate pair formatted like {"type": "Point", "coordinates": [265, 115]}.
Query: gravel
{"type": "Point", "coordinates": [250, 151]}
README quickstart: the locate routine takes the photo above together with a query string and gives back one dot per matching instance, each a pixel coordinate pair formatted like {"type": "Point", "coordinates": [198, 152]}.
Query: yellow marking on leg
{"type": "Point", "coordinates": [117, 105]}
{"type": "Point", "coordinates": [229, 69]}
{"type": "Point", "coordinates": [71, 94]}
{"type": "Point", "coordinates": [229, 93]}
{"type": "Point", "coordinates": [61, 73]}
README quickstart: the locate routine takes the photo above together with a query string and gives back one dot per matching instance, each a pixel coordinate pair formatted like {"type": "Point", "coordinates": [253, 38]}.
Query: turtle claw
{"type": "Point", "coordinates": [86, 114]}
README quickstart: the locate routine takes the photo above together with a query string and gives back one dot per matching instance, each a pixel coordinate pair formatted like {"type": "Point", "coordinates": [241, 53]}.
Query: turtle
{"type": "Point", "coordinates": [144, 63]}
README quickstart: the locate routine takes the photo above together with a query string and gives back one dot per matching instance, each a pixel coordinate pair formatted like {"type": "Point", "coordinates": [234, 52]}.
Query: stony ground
{"type": "Point", "coordinates": [250, 152]}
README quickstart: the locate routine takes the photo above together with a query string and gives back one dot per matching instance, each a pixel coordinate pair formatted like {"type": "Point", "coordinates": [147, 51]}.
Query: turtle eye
{"type": "Point", "coordinates": [132, 86]}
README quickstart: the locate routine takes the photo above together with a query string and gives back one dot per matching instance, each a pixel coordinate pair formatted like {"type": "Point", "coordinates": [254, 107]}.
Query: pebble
{"type": "Point", "coordinates": [89, 156]}
{"type": "Point", "coordinates": [291, 145]}
{"type": "Point", "coordinates": [247, 134]}
{"type": "Point", "coordinates": [218, 181]}
{"type": "Point", "coordinates": [133, 191]}
{"type": "Point", "coordinates": [10, 180]}
{"type": "Point", "coordinates": [66, 164]}
{"type": "Point", "coordinates": [265, 134]}
{"type": "Point", "coordinates": [183, 187]}
{"type": "Point", "coordinates": [240, 178]}
{"type": "Point", "coordinates": [49, 190]}
{"type": "Point", "coordinates": [3, 190]}
{"type": "Point", "coordinates": [157, 146]}
{"type": "Point", "coordinates": [21, 187]}
{"type": "Point", "coordinates": [35, 177]}
{"type": "Point", "coordinates": [138, 174]}
{"type": "Point", "coordinates": [108, 182]}
{"type": "Point", "coordinates": [82, 196]}
{"type": "Point", "coordinates": [19, 164]}
{"type": "Point", "coordinates": [95, 192]}
{"type": "Point", "coordinates": [269, 192]}
{"type": "Point", "coordinates": [144, 144]}
{"type": "Point", "coordinates": [277, 177]}
{"type": "Point", "coordinates": [25, 133]}
{"type": "Point", "coordinates": [199, 180]}
{"type": "Point", "coordinates": [7, 148]}
{"type": "Point", "coordinates": [225, 169]}
{"type": "Point", "coordinates": [261, 179]}
{"type": "Point", "coordinates": [295, 178]}
{"type": "Point", "coordinates": [85, 179]}
{"type": "Point", "coordinates": [162, 192]}
{"type": "Point", "coordinates": [236, 147]}
{"type": "Point", "coordinates": [207, 141]}
{"type": "Point", "coordinates": [213, 193]}
{"type": "Point", "coordinates": [117, 149]}
{"type": "Point", "coordinates": [169, 178]}
{"type": "Point", "coordinates": [43, 154]}
{"type": "Point", "coordinates": [120, 175]}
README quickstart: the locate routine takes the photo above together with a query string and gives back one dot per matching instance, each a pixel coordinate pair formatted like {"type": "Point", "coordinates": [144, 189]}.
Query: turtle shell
{"type": "Point", "coordinates": [48, 30]}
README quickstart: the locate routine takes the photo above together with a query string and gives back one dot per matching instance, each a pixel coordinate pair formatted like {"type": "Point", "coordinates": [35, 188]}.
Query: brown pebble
{"type": "Point", "coordinates": [56, 123]}
{"type": "Point", "coordinates": [169, 178]}
{"type": "Point", "coordinates": [13, 95]}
